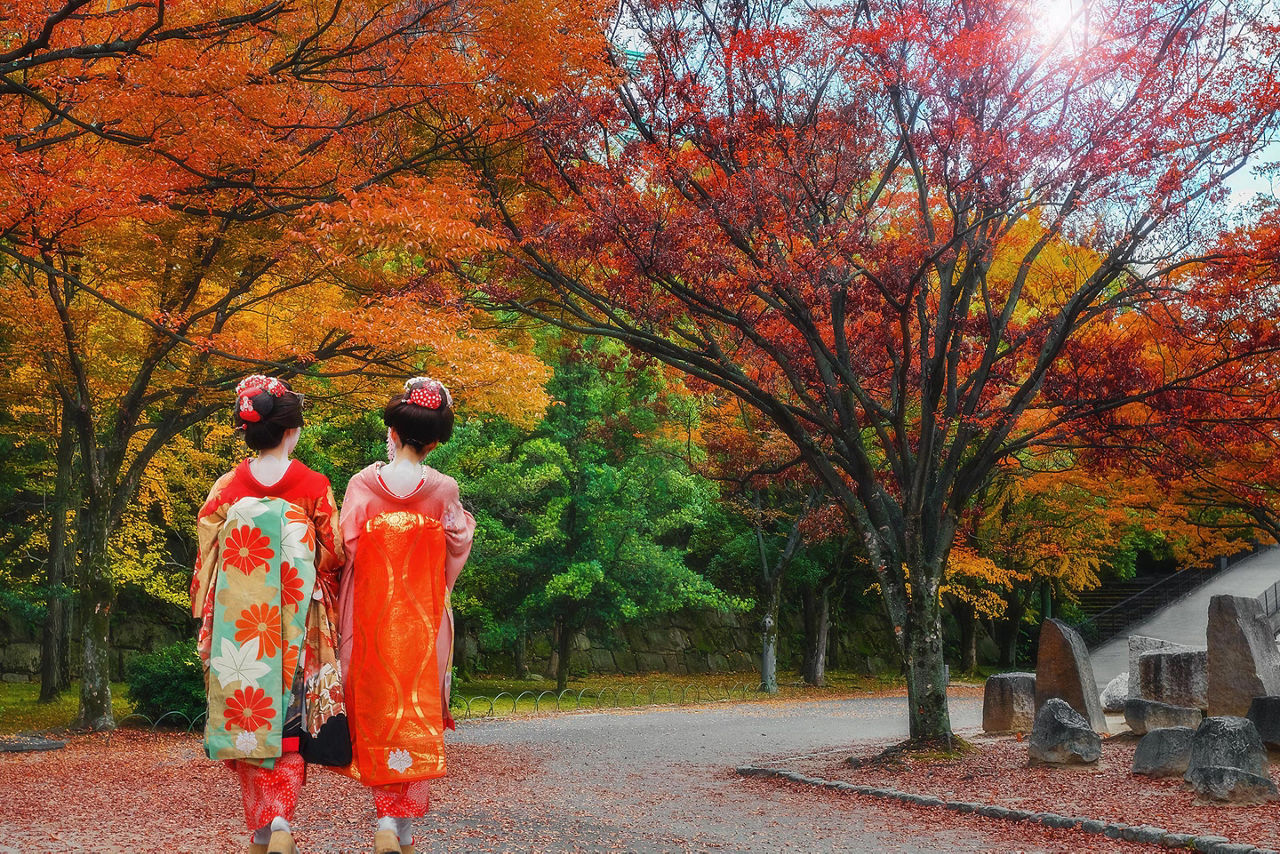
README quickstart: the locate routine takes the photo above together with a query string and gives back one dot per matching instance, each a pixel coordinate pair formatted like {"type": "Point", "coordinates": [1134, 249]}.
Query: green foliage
{"type": "Point", "coordinates": [167, 680]}
{"type": "Point", "coordinates": [585, 519]}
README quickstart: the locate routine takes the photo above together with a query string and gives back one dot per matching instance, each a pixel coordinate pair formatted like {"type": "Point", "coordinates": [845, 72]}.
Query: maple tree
{"type": "Point", "coordinates": [917, 237]}
{"type": "Point", "coordinates": [193, 192]}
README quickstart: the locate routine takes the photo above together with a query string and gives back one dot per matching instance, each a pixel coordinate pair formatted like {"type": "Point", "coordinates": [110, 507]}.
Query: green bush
{"type": "Point", "coordinates": [167, 680]}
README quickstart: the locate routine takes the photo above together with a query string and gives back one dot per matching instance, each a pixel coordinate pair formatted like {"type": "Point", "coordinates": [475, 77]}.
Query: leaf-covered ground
{"type": "Point", "coordinates": [997, 773]}
{"type": "Point", "coordinates": [638, 780]}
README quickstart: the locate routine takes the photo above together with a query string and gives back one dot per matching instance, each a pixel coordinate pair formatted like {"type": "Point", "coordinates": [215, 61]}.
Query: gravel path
{"type": "Point", "coordinates": [655, 780]}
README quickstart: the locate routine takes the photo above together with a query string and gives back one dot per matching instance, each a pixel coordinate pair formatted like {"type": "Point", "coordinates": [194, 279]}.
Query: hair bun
{"type": "Point", "coordinates": [254, 404]}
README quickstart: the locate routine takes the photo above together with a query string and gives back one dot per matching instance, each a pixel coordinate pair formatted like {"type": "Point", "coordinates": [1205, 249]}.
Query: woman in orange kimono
{"type": "Point", "coordinates": [407, 537]}
{"type": "Point", "coordinates": [265, 590]}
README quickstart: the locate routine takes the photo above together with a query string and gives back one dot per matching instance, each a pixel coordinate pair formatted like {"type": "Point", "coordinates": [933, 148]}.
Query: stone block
{"type": "Point", "coordinates": [1062, 736]}
{"type": "Point", "coordinates": [1176, 677]}
{"type": "Point", "coordinates": [1164, 752]}
{"type": "Point", "coordinates": [651, 662]}
{"type": "Point", "coordinates": [1264, 712]}
{"type": "Point", "coordinates": [1064, 671]}
{"type": "Point", "coordinates": [602, 661]}
{"type": "Point", "coordinates": [1138, 644]}
{"type": "Point", "coordinates": [1009, 702]}
{"type": "Point", "coordinates": [1142, 716]}
{"type": "Point", "coordinates": [1244, 661]}
{"type": "Point", "coordinates": [1114, 695]}
{"type": "Point", "coordinates": [1227, 742]}
{"type": "Point", "coordinates": [696, 662]}
{"type": "Point", "coordinates": [1220, 784]}
{"type": "Point", "coordinates": [625, 661]}
{"type": "Point", "coordinates": [23, 658]}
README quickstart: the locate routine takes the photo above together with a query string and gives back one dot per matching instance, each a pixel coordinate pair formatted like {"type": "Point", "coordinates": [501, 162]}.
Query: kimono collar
{"type": "Point", "coordinates": [284, 484]}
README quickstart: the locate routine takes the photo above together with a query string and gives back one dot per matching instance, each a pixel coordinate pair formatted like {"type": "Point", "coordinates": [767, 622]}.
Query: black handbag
{"type": "Point", "coordinates": [330, 746]}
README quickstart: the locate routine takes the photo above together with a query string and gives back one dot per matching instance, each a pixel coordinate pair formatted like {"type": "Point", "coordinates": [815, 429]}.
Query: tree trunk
{"type": "Point", "coordinates": [1008, 630]}
{"type": "Point", "coordinates": [929, 718]}
{"type": "Point", "coordinates": [817, 621]}
{"type": "Point", "coordinates": [967, 620]}
{"type": "Point", "coordinates": [55, 658]}
{"type": "Point", "coordinates": [520, 655]}
{"type": "Point", "coordinates": [769, 635]}
{"type": "Point", "coordinates": [564, 647]}
{"type": "Point", "coordinates": [96, 598]}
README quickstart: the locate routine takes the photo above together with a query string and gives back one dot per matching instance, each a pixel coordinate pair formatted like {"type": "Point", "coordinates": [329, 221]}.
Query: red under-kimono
{"type": "Point", "coordinates": [270, 792]}
{"type": "Point", "coordinates": [368, 498]}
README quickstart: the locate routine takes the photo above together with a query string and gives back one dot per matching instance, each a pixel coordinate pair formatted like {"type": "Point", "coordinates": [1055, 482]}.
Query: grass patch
{"type": "Point", "coordinates": [20, 710]}
{"type": "Point", "coordinates": [502, 696]}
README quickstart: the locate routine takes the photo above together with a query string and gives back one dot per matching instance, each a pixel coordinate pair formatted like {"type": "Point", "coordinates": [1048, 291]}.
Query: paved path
{"type": "Point", "coordinates": [661, 780]}
{"type": "Point", "coordinates": [658, 780]}
{"type": "Point", "coordinates": [1186, 620]}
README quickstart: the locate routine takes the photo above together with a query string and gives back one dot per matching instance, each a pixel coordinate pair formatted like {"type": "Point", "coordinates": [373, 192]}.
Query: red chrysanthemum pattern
{"type": "Point", "coordinates": [249, 709]}
{"type": "Point", "coordinates": [290, 584]}
{"type": "Point", "coordinates": [246, 549]}
{"type": "Point", "coordinates": [262, 622]}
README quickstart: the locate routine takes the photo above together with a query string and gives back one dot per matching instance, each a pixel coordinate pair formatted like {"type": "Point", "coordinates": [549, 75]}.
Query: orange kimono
{"type": "Point", "coordinates": [396, 631]}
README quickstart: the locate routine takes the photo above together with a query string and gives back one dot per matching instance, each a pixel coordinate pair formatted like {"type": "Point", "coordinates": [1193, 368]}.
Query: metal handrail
{"type": "Point", "coordinates": [1106, 624]}
{"type": "Point", "coordinates": [1270, 600]}
{"type": "Point", "coordinates": [569, 700]}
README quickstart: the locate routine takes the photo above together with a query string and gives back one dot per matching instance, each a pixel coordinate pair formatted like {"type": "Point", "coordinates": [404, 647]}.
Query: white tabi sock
{"type": "Point", "coordinates": [401, 827]}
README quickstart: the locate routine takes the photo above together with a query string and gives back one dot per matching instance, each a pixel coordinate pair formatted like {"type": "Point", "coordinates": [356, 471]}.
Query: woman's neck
{"type": "Point", "coordinates": [270, 465]}
{"type": "Point", "coordinates": [403, 474]}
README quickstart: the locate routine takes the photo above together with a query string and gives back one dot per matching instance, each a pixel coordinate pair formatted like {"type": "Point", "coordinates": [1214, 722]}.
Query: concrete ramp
{"type": "Point", "coordinates": [1186, 620]}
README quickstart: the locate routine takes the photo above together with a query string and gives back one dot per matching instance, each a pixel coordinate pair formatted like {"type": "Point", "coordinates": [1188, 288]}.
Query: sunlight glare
{"type": "Point", "coordinates": [1054, 16]}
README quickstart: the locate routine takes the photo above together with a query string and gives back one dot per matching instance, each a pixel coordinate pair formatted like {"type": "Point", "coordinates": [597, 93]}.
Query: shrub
{"type": "Point", "coordinates": [167, 680]}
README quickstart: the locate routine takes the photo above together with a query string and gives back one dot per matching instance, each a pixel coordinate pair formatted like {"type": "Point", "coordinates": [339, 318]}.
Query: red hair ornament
{"type": "Point", "coordinates": [426, 396]}
{"type": "Point", "coordinates": [245, 407]}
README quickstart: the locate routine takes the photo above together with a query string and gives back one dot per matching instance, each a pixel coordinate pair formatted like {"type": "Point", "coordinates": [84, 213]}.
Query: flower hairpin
{"type": "Point", "coordinates": [427, 393]}
{"type": "Point", "coordinates": [260, 382]}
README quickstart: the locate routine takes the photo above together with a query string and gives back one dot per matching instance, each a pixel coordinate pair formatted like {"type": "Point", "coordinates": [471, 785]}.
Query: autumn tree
{"type": "Point", "coordinates": [802, 205]}
{"type": "Point", "coordinates": [197, 192]}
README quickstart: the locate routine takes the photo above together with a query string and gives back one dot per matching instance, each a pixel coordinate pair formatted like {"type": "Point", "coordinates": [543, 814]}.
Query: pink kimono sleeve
{"type": "Point", "coordinates": [458, 544]}
{"type": "Point", "coordinates": [355, 512]}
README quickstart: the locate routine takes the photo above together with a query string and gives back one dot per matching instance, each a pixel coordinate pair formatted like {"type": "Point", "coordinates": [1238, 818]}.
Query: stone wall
{"type": "Point", "coordinates": [688, 642]}
{"type": "Point", "coordinates": [138, 624]}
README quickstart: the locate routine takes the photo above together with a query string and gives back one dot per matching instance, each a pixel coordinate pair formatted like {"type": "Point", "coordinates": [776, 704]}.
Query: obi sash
{"type": "Point", "coordinates": [394, 689]}
{"type": "Point", "coordinates": [265, 581]}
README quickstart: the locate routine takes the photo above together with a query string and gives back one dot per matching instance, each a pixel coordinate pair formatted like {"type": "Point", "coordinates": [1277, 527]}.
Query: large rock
{"type": "Point", "coordinates": [1138, 644]}
{"type": "Point", "coordinates": [1009, 702]}
{"type": "Point", "coordinates": [1231, 785]}
{"type": "Point", "coordinates": [1179, 677]}
{"type": "Point", "coordinates": [1063, 670]}
{"type": "Point", "coordinates": [1114, 695]}
{"type": "Point", "coordinates": [1142, 716]}
{"type": "Point", "coordinates": [1264, 712]}
{"type": "Point", "coordinates": [1164, 752]}
{"type": "Point", "coordinates": [1227, 742]}
{"type": "Point", "coordinates": [1062, 736]}
{"type": "Point", "coordinates": [1243, 659]}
